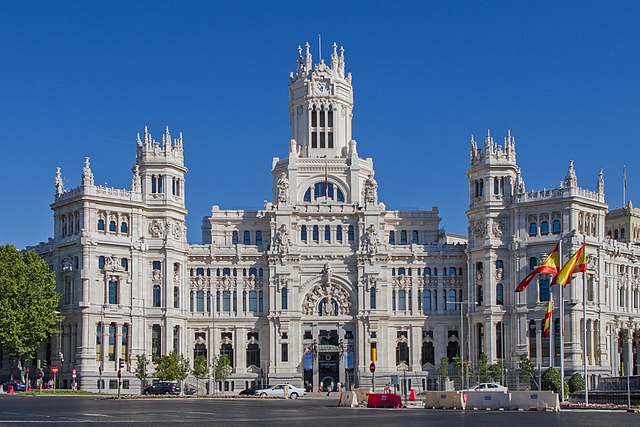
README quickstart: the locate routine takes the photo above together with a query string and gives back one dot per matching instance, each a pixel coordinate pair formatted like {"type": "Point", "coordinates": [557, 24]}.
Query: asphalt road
{"type": "Point", "coordinates": [59, 410]}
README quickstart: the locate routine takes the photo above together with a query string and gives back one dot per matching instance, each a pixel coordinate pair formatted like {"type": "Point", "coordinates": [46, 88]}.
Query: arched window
{"type": "Point", "coordinates": [426, 300]}
{"type": "Point", "coordinates": [403, 237]}
{"type": "Point", "coordinates": [350, 233]}
{"type": "Point", "coordinates": [392, 237]}
{"type": "Point", "coordinates": [339, 233]}
{"type": "Point", "coordinates": [316, 233]}
{"type": "Point", "coordinates": [101, 224]}
{"type": "Point", "coordinates": [435, 271]}
{"type": "Point", "coordinates": [176, 297]}
{"type": "Point", "coordinates": [124, 228]}
{"type": "Point", "coordinates": [156, 341]}
{"type": "Point", "coordinates": [327, 234]}
{"type": "Point", "coordinates": [160, 184]}
{"type": "Point", "coordinates": [444, 271]}
{"type": "Point", "coordinates": [622, 233]}
{"type": "Point", "coordinates": [428, 353]}
{"type": "Point", "coordinates": [414, 237]}
{"type": "Point", "coordinates": [157, 265]}
{"type": "Point", "coordinates": [427, 271]}
{"type": "Point", "coordinates": [499, 342]}
{"type": "Point", "coordinates": [112, 342]}
{"type": "Point", "coordinates": [226, 301]}
{"type": "Point", "coordinates": [284, 299]}
{"type": "Point", "coordinates": [533, 229]}
{"type": "Point", "coordinates": [260, 272]}
{"type": "Point", "coordinates": [253, 272]}
{"type": "Point", "coordinates": [226, 271]}
{"type": "Point", "coordinates": [499, 294]}
{"type": "Point", "coordinates": [124, 342]}
{"type": "Point", "coordinates": [112, 226]}
{"type": "Point", "coordinates": [499, 264]}
{"type": "Point", "coordinates": [555, 227]}
{"type": "Point", "coordinates": [452, 271]}
{"type": "Point", "coordinates": [125, 264]}
{"type": "Point", "coordinates": [258, 238]}
{"type": "Point", "coordinates": [156, 295]}
{"type": "Point", "coordinates": [372, 298]}
{"type": "Point", "coordinates": [307, 195]}
{"type": "Point", "coordinates": [303, 233]}
{"type": "Point", "coordinates": [544, 228]}
{"type": "Point", "coordinates": [113, 292]}
{"type": "Point", "coordinates": [401, 271]}
{"type": "Point", "coordinates": [227, 350]}
{"type": "Point", "coordinates": [246, 237]}
{"type": "Point", "coordinates": [328, 307]}
{"type": "Point", "coordinates": [402, 299]}
{"type": "Point", "coordinates": [253, 301]}
{"type": "Point", "coordinates": [402, 352]}
{"type": "Point", "coordinates": [101, 262]}
{"type": "Point", "coordinates": [615, 234]}
{"type": "Point", "coordinates": [234, 237]}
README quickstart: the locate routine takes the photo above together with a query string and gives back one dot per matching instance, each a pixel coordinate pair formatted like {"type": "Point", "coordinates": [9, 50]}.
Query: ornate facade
{"type": "Point", "coordinates": [323, 279]}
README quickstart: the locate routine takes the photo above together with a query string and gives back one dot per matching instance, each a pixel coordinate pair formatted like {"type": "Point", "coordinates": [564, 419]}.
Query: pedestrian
{"type": "Point", "coordinates": [329, 389]}
{"type": "Point", "coordinates": [339, 386]}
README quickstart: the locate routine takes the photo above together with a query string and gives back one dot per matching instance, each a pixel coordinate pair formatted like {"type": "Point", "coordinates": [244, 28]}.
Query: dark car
{"type": "Point", "coordinates": [251, 391]}
{"type": "Point", "coordinates": [17, 385]}
{"type": "Point", "coordinates": [162, 388]}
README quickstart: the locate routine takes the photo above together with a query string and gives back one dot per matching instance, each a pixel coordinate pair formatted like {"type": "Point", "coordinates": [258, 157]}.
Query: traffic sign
{"type": "Point", "coordinates": [54, 369]}
{"type": "Point", "coordinates": [372, 367]}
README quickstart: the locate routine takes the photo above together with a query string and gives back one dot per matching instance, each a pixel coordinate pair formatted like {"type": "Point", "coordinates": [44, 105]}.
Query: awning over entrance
{"type": "Point", "coordinates": [328, 348]}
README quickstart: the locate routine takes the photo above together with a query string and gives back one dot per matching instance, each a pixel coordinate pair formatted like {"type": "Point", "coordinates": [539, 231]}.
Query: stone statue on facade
{"type": "Point", "coordinates": [58, 182]}
{"type": "Point", "coordinates": [282, 241]}
{"type": "Point", "coordinates": [370, 242]}
{"type": "Point", "coordinates": [283, 188]}
{"type": "Point", "coordinates": [370, 190]}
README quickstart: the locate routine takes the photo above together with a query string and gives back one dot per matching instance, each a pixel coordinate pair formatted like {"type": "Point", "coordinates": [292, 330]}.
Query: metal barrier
{"type": "Point", "coordinates": [444, 400]}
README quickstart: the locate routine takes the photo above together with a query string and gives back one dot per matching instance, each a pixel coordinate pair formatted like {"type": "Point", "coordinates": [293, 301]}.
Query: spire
{"type": "Point", "coordinates": [147, 136]}
{"type": "Point", "coordinates": [58, 183]}
{"type": "Point", "coordinates": [341, 62]}
{"type": "Point", "coordinates": [307, 58]}
{"type": "Point", "coordinates": [166, 140]}
{"type": "Point", "coordinates": [571, 180]}
{"type": "Point", "coordinates": [488, 142]}
{"type": "Point", "coordinates": [87, 175]}
{"type": "Point", "coordinates": [334, 57]}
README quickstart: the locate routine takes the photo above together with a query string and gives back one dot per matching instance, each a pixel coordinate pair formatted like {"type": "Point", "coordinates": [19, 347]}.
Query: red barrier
{"type": "Point", "coordinates": [379, 400]}
{"type": "Point", "coordinates": [10, 389]}
{"type": "Point", "coordinates": [412, 396]}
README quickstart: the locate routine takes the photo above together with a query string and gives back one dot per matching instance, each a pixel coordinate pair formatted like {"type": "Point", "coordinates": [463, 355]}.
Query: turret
{"type": "Point", "coordinates": [321, 105]}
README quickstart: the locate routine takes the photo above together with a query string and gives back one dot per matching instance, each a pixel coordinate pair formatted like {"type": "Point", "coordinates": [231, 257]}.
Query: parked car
{"type": "Point", "coordinates": [251, 391]}
{"type": "Point", "coordinates": [17, 385]}
{"type": "Point", "coordinates": [162, 388]}
{"type": "Point", "coordinates": [278, 390]}
{"type": "Point", "coordinates": [488, 387]}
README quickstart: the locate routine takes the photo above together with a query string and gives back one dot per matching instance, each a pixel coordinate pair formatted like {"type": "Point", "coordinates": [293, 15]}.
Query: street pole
{"type": "Point", "coordinates": [584, 327]}
{"type": "Point", "coordinates": [561, 329]}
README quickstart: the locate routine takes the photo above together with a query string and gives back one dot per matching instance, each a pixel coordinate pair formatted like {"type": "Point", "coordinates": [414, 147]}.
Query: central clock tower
{"type": "Point", "coordinates": [321, 105]}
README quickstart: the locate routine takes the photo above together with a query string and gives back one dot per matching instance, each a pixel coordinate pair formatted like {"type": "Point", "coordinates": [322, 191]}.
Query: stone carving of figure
{"type": "Point", "coordinates": [370, 242]}
{"type": "Point", "coordinates": [58, 182]}
{"type": "Point", "coordinates": [156, 229]}
{"type": "Point", "coordinates": [499, 273]}
{"type": "Point", "coordinates": [370, 190]}
{"type": "Point", "coordinates": [136, 181]}
{"type": "Point", "coordinates": [498, 228]}
{"type": "Point", "coordinates": [327, 307]}
{"type": "Point", "coordinates": [283, 188]}
{"type": "Point", "coordinates": [282, 241]}
{"type": "Point", "coordinates": [327, 273]}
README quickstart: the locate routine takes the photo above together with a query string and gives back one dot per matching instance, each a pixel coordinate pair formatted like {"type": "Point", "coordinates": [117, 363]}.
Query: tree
{"type": "Point", "coordinates": [443, 370]}
{"type": "Point", "coordinates": [576, 383]}
{"type": "Point", "coordinates": [28, 302]}
{"type": "Point", "coordinates": [551, 381]}
{"type": "Point", "coordinates": [525, 370]}
{"type": "Point", "coordinates": [200, 368]}
{"type": "Point", "coordinates": [141, 369]}
{"type": "Point", "coordinates": [496, 371]}
{"type": "Point", "coordinates": [483, 369]}
{"type": "Point", "coordinates": [457, 365]}
{"type": "Point", "coordinates": [222, 368]}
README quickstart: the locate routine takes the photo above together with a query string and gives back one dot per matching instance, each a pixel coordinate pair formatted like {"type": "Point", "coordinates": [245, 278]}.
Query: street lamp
{"type": "Point", "coordinates": [465, 377]}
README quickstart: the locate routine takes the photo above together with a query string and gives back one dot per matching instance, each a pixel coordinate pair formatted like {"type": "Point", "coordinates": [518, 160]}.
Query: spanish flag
{"type": "Point", "coordinates": [547, 319]}
{"type": "Point", "coordinates": [549, 266]}
{"type": "Point", "coordinates": [576, 264]}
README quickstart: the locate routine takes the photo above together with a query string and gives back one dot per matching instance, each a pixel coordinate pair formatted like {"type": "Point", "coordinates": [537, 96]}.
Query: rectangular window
{"type": "Point", "coordinates": [545, 294]}
{"type": "Point", "coordinates": [322, 136]}
{"type": "Point", "coordinates": [285, 352]}
{"type": "Point", "coordinates": [314, 140]}
{"type": "Point", "coordinates": [330, 139]}
{"type": "Point", "coordinates": [322, 113]}
{"type": "Point", "coordinates": [226, 301]}
{"type": "Point", "coordinates": [253, 301]}
{"type": "Point", "coordinates": [314, 118]}
{"type": "Point", "coordinates": [113, 292]}
{"type": "Point", "coordinates": [330, 119]}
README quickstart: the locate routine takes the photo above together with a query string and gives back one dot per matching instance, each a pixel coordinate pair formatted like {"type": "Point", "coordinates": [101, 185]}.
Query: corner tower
{"type": "Point", "coordinates": [321, 105]}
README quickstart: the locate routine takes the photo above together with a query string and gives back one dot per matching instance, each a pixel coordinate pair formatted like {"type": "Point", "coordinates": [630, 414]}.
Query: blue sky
{"type": "Point", "coordinates": [82, 78]}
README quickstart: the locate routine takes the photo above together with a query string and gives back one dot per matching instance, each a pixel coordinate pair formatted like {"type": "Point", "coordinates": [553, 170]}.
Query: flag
{"type": "Point", "coordinates": [576, 264]}
{"type": "Point", "coordinates": [547, 319]}
{"type": "Point", "coordinates": [549, 266]}
{"type": "Point", "coordinates": [624, 178]}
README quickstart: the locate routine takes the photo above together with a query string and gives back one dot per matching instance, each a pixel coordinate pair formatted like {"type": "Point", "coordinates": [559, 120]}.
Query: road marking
{"type": "Point", "coordinates": [97, 415]}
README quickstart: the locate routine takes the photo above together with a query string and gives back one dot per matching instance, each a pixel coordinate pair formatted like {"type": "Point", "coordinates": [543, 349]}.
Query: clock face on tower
{"type": "Point", "coordinates": [320, 88]}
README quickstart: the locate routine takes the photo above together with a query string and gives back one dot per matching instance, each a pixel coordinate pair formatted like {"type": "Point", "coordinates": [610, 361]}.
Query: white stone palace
{"type": "Point", "coordinates": [323, 279]}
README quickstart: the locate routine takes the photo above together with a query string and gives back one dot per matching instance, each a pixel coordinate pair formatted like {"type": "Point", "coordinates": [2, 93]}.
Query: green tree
{"type": "Point", "coordinates": [496, 371]}
{"type": "Point", "coordinates": [222, 368]}
{"type": "Point", "coordinates": [28, 302]}
{"type": "Point", "coordinates": [142, 365]}
{"type": "Point", "coordinates": [172, 367]}
{"type": "Point", "coordinates": [483, 369]}
{"type": "Point", "coordinates": [525, 370]}
{"type": "Point", "coordinates": [551, 381]}
{"type": "Point", "coordinates": [457, 365]}
{"type": "Point", "coordinates": [200, 368]}
{"type": "Point", "coordinates": [443, 370]}
{"type": "Point", "coordinates": [576, 383]}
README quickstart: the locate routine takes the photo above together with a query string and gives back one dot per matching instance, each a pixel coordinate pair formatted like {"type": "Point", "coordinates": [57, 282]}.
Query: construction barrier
{"type": "Point", "coordinates": [389, 400]}
{"type": "Point", "coordinates": [535, 400]}
{"type": "Point", "coordinates": [362, 396]}
{"type": "Point", "coordinates": [444, 400]}
{"type": "Point", "coordinates": [348, 399]}
{"type": "Point", "coordinates": [488, 400]}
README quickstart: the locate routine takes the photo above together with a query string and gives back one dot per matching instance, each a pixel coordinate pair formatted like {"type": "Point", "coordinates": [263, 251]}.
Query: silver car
{"type": "Point", "coordinates": [282, 390]}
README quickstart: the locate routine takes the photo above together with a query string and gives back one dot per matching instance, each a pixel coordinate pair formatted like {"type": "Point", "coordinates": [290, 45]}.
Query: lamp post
{"type": "Point", "coordinates": [465, 378]}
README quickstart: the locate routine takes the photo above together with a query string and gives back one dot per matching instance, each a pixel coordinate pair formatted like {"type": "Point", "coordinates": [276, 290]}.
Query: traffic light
{"type": "Point", "coordinates": [121, 364]}
{"type": "Point", "coordinates": [100, 370]}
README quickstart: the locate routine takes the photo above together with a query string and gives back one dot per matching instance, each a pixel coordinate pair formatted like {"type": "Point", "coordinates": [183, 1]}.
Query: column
{"type": "Point", "coordinates": [590, 347]}
{"type": "Point", "coordinates": [240, 341]}
{"type": "Point", "coordinates": [628, 354]}
{"type": "Point", "coordinates": [416, 347]}
{"type": "Point", "coordinates": [73, 351]}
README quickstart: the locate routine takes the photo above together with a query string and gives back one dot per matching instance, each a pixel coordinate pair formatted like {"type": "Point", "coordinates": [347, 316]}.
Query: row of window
{"type": "Point", "coordinates": [246, 237]}
{"type": "Point", "coordinates": [326, 190]}
{"type": "Point", "coordinates": [113, 227]}
{"type": "Point", "coordinates": [499, 294]}
{"type": "Point", "coordinates": [157, 185]}
{"type": "Point", "coordinates": [427, 271]}
{"type": "Point", "coordinates": [113, 341]}
{"type": "Point", "coordinates": [556, 228]}
{"type": "Point", "coordinates": [227, 301]}
{"type": "Point", "coordinates": [315, 233]}
{"type": "Point", "coordinates": [227, 271]}
{"type": "Point", "coordinates": [498, 186]}
{"type": "Point", "coordinates": [70, 224]}
{"type": "Point", "coordinates": [321, 128]}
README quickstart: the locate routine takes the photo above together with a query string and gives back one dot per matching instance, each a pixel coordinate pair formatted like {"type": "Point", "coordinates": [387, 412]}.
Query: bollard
{"type": "Point", "coordinates": [412, 396]}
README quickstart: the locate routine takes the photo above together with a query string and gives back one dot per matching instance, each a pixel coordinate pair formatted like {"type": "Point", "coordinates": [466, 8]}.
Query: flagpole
{"type": "Point", "coordinates": [561, 329]}
{"type": "Point", "coordinates": [624, 186]}
{"type": "Point", "coordinates": [584, 328]}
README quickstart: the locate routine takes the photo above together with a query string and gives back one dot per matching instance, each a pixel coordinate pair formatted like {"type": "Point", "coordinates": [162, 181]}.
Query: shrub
{"type": "Point", "coordinates": [551, 381]}
{"type": "Point", "coordinates": [576, 383]}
